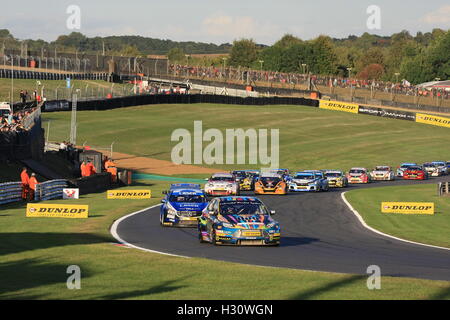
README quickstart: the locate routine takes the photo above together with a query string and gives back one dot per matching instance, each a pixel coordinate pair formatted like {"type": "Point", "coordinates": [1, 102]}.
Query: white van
{"type": "Point", "coordinates": [5, 109]}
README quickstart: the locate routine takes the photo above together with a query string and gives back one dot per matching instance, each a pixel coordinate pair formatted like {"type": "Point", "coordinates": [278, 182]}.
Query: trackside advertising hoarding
{"type": "Point", "coordinates": [339, 106]}
{"type": "Point", "coordinates": [433, 120]}
{"type": "Point", "coordinates": [387, 113]}
{"type": "Point", "coordinates": [57, 211]}
{"type": "Point", "coordinates": [408, 207]}
{"type": "Point", "coordinates": [129, 194]}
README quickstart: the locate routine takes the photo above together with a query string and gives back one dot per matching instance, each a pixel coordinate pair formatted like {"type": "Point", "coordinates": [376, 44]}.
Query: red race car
{"type": "Point", "coordinates": [415, 173]}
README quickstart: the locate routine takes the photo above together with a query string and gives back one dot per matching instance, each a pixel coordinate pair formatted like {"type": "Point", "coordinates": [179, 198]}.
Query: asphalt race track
{"type": "Point", "coordinates": [319, 232]}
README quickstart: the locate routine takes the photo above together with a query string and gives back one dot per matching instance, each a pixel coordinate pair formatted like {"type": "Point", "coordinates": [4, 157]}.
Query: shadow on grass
{"type": "Point", "coordinates": [166, 286]}
{"type": "Point", "coordinates": [443, 294]}
{"type": "Point", "coordinates": [11, 243]}
{"type": "Point", "coordinates": [31, 273]}
{"type": "Point", "coordinates": [315, 292]}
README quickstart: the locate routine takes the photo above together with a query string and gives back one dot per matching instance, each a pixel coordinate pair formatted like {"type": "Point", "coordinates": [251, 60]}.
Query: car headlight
{"type": "Point", "coordinates": [171, 210]}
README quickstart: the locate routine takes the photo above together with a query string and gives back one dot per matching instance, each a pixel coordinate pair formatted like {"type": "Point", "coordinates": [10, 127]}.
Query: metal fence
{"type": "Point", "coordinates": [443, 189]}
{"type": "Point", "coordinates": [12, 191]}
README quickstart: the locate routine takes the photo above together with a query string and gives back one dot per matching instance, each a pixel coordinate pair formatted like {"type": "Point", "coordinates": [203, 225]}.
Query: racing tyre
{"type": "Point", "coordinates": [213, 237]}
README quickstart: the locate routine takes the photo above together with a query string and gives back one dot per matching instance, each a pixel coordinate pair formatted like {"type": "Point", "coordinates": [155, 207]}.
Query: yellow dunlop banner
{"type": "Point", "coordinates": [433, 120]}
{"type": "Point", "coordinates": [129, 194]}
{"type": "Point", "coordinates": [57, 211]}
{"type": "Point", "coordinates": [408, 207]}
{"type": "Point", "coordinates": [339, 106]}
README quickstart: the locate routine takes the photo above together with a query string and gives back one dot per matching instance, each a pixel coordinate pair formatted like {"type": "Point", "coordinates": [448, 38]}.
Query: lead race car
{"type": "Point", "coordinates": [309, 181]}
{"type": "Point", "coordinates": [222, 184]}
{"type": "Point", "coordinates": [336, 179]}
{"type": "Point", "coordinates": [382, 173]}
{"type": "Point", "coordinates": [182, 205]}
{"type": "Point", "coordinates": [238, 221]}
{"type": "Point", "coordinates": [358, 175]}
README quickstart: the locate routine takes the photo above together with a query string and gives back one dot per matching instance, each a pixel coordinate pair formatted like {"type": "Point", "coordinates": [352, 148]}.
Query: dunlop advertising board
{"type": "Point", "coordinates": [129, 194]}
{"type": "Point", "coordinates": [433, 120]}
{"type": "Point", "coordinates": [408, 207]}
{"type": "Point", "coordinates": [339, 106]}
{"type": "Point", "coordinates": [57, 211]}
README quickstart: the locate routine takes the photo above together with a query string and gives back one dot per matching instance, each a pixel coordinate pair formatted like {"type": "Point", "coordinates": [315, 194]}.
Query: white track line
{"type": "Point", "coordinates": [118, 238]}
{"type": "Point", "coordinates": [365, 225]}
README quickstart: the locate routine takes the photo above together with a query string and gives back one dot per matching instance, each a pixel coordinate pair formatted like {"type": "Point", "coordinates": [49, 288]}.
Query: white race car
{"type": "Point", "coordinates": [434, 170]}
{"type": "Point", "coordinates": [222, 184]}
{"type": "Point", "coordinates": [382, 173]}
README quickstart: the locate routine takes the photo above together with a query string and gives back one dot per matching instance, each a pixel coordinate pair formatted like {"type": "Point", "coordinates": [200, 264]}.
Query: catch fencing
{"type": "Point", "coordinates": [10, 192]}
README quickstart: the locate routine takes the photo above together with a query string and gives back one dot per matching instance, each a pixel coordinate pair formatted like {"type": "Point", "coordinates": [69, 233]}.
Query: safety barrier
{"type": "Point", "coordinates": [22, 74]}
{"type": "Point", "coordinates": [48, 190]}
{"type": "Point", "coordinates": [443, 189]}
{"type": "Point", "coordinates": [10, 192]}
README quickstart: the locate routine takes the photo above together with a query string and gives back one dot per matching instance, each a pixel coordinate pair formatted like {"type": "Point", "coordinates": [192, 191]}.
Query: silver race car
{"type": "Point", "coordinates": [382, 173]}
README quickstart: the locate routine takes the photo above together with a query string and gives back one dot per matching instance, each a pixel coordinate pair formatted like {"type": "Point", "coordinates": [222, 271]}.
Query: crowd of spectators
{"type": "Point", "coordinates": [217, 73]}
{"type": "Point", "coordinates": [14, 122]}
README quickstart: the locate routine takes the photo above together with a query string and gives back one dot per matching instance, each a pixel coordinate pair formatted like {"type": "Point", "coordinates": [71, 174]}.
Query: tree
{"type": "Point", "coordinates": [288, 40]}
{"type": "Point", "coordinates": [176, 55]}
{"type": "Point", "coordinates": [438, 56]}
{"type": "Point", "coordinates": [243, 53]}
{"type": "Point", "coordinates": [324, 56]}
{"type": "Point", "coordinates": [371, 72]}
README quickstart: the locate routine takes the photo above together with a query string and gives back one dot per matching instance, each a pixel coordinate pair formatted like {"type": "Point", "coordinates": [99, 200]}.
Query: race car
{"type": "Point", "coordinates": [403, 167]}
{"type": "Point", "coordinates": [415, 173]}
{"type": "Point", "coordinates": [284, 173]}
{"type": "Point", "coordinates": [308, 181]}
{"type": "Point", "coordinates": [182, 205]}
{"type": "Point", "coordinates": [442, 165]}
{"type": "Point", "coordinates": [246, 179]}
{"type": "Point", "coordinates": [336, 179]}
{"type": "Point", "coordinates": [382, 173]}
{"type": "Point", "coordinates": [222, 184]}
{"type": "Point", "coordinates": [358, 175]}
{"type": "Point", "coordinates": [448, 166]}
{"type": "Point", "coordinates": [433, 170]}
{"type": "Point", "coordinates": [238, 221]}
{"type": "Point", "coordinates": [270, 183]}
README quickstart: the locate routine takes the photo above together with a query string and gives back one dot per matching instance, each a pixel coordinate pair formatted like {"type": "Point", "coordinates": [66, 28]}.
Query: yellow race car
{"type": "Point", "coordinates": [246, 179]}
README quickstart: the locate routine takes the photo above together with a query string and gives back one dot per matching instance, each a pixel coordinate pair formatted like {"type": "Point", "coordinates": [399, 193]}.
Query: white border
{"type": "Point", "coordinates": [365, 225]}
{"type": "Point", "coordinates": [114, 233]}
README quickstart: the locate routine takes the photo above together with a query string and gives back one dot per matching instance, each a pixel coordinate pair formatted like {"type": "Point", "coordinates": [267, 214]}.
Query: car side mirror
{"type": "Point", "coordinates": [272, 212]}
{"type": "Point", "coordinates": [163, 201]}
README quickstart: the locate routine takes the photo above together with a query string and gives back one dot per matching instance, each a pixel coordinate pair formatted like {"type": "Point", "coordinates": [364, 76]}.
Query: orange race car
{"type": "Point", "coordinates": [270, 184]}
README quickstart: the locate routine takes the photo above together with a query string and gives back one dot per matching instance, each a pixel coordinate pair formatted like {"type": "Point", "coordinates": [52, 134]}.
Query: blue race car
{"type": "Point", "coordinates": [403, 167]}
{"type": "Point", "coordinates": [238, 221]}
{"type": "Point", "coordinates": [182, 205]}
{"type": "Point", "coordinates": [310, 180]}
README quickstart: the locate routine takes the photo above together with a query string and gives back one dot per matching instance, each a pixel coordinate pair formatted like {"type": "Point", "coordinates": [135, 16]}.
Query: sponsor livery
{"type": "Point", "coordinates": [182, 205]}
{"type": "Point", "coordinates": [408, 207]}
{"type": "Point", "coordinates": [271, 183]}
{"type": "Point", "coordinates": [57, 211]}
{"type": "Point", "coordinates": [336, 179]}
{"type": "Point", "coordinates": [311, 180]}
{"type": "Point", "coordinates": [246, 179]}
{"type": "Point", "coordinates": [129, 194]}
{"type": "Point", "coordinates": [358, 175]}
{"type": "Point", "coordinates": [222, 184]}
{"type": "Point", "coordinates": [382, 173]}
{"type": "Point", "coordinates": [404, 166]}
{"type": "Point", "coordinates": [415, 173]}
{"type": "Point", "coordinates": [238, 221]}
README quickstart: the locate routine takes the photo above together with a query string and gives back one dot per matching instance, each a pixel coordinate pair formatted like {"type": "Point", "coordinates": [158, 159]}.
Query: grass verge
{"type": "Point", "coordinates": [35, 253]}
{"type": "Point", "coordinates": [429, 229]}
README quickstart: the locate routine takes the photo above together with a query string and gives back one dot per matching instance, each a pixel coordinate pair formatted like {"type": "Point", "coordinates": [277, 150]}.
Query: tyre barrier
{"type": "Point", "coordinates": [49, 190]}
{"type": "Point", "coordinates": [10, 192]}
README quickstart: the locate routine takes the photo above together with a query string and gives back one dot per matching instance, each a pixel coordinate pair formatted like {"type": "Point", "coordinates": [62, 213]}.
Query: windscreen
{"type": "Point", "coordinates": [242, 208]}
{"type": "Point", "coordinates": [188, 198]}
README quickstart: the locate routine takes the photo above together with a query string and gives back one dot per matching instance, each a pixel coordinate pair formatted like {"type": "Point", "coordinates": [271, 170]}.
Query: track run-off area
{"type": "Point", "coordinates": [319, 232]}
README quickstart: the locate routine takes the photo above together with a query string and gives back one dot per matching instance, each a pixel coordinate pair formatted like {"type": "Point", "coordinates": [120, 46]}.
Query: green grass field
{"type": "Point", "coordinates": [35, 253]}
{"type": "Point", "coordinates": [430, 229]}
{"type": "Point", "coordinates": [309, 137]}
